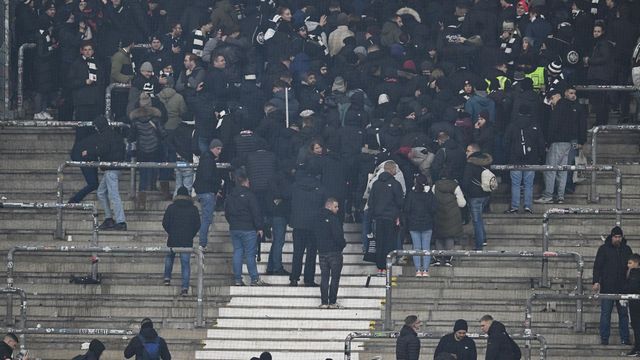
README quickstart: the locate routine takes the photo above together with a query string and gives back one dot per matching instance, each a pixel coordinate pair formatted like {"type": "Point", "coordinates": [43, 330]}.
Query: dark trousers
{"type": "Point", "coordinates": [91, 177]}
{"type": "Point", "coordinates": [330, 268]}
{"type": "Point", "coordinates": [386, 238]}
{"type": "Point", "coordinates": [634, 311]}
{"type": "Point", "coordinates": [303, 240]}
{"type": "Point", "coordinates": [84, 113]}
{"type": "Point", "coordinates": [600, 104]}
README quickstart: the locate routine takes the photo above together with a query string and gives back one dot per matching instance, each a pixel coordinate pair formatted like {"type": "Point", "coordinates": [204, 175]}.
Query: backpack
{"type": "Point", "coordinates": [488, 180]}
{"type": "Point", "coordinates": [151, 349]}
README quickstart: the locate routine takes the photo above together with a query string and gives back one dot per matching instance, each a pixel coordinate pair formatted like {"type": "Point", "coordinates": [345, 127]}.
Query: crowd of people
{"type": "Point", "coordinates": [381, 112]}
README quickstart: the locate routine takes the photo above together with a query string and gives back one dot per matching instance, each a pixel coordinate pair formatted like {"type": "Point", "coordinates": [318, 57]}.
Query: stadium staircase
{"type": "Point", "coordinates": [244, 321]}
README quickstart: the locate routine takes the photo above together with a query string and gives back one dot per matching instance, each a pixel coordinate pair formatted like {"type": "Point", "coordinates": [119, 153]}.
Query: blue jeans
{"type": "Point", "coordinates": [109, 196]}
{"type": "Point", "coordinates": [208, 205]}
{"type": "Point", "coordinates": [475, 206]}
{"type": "Point", "coordinates": [518, 177]}
{"type": "Point", "coordinates": [421, 241]}
{"type": "Point", "coordinates": [184, 177]}
{"type": "Point", "coordinates": [558, 155]}
{"type": "Point", "coordinates": [244, 247]}
{"type": "Point", "coordinates": [185, 267]}
{"type": "Point", "coordinates": [606, 306]}
{"type": "Point", "coordinates": [279, 226]}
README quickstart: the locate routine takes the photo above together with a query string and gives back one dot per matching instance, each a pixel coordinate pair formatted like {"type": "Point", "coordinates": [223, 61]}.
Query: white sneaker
{"type": "Point", "coordinates": [46, 115]}
{"type": "Point", "coordinates": [38, 116]}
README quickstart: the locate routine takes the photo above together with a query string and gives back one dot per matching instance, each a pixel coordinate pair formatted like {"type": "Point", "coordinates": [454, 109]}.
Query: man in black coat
{"type": "Point", "coordinates": [96, 348]}
{"type": "Point", "coordinates": [181, 221]}
{"type": "Point", "coordinates": [307, 197]}
{"type": "Point", "coordinates": [408, 343]}
{"type": "Point", "coordinates": [385, 205]}
{"type": "Point", "coordinates": [457, 343]}
{"type": "Point", "coordinates": [500, 346]}
{"type": "Point", "coordinates": [207, 185]}
{"type": "Point", "coordinates": [451, 156]}
{"type": "Point", "coordinates": [330, 239]}
{"type": "Point", "coordinates": [147, 339]}
{"type": "Point", "coordinates": [609, 276]}
{"type": "Point", "coordinates": [8, 344]}
{"type": "Point", "coordinates": [477, 198]}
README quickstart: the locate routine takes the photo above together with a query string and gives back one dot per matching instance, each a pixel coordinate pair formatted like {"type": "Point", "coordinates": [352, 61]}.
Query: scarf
{"type": "Point", "coordinates": [93, 69]}
{"type": "Point", "coordinates": [198, 43]}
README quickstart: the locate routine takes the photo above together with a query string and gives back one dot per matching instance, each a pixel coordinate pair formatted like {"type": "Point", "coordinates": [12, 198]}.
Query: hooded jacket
{"type": "Point", "coordinates": [175, 105]}
{"type": "Point", "coordinates": [408, 344]}
{"type": "Point", "coordinates": [307, 196]}
{"type": "Point", "coordinates": [610, 266]}
{"type": "Point", "coordinates": [242, 211]}
{"type": "Point", "coordinates": [136, 346]}
{"type": "Point", "coordinates": [568, 123]}
{"type": "Point", "coordinates": [420, 209]}
{"type": "Point", "coordinates": [450, 156]}
{"type": "Point", "coordinates": [207, 175]}
{"type": "Point", "coordinates": [146, 129]}
{"type": "Point", "coordinates": [386, 198]}
{"type": "Point", "coordinates": [329, 233]}
{"type": "Point", "coordinates": [500, 346]}
{"type": "Point", "coordinates": [464, 349]}
{"type": "Point", "coordinates": [181, 221]}
{"type": "Point", "coordinates": [529, 151]}
{"type": "Point", "coordinates": [472, 178]}
{"type": "Point", "coordinates": [448, 219]}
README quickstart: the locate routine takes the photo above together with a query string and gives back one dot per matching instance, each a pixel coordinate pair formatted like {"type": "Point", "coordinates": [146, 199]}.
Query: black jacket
{"type": "Point", "coordinates": [207, 176]}
{"type": "Point", "coordinates": [329, 233]}
{"type": "Point", "coordinates": [419, 210]}
{"type": "Point", "coordinates": [450, 156]}
{"type": "Point", "coordinates": [610, 266]}
{"type": "Point", "coordinates": [279, 195]}
{"type": "Point", "coordinates": [601, 61]}
{"type": "Point", "coordinates": [500, 346]}
{"type": "Point", "coordinates": [568, 123]}
{"type": "Point", "coordinates": [307, 198]}
{"type": "Point", "coordinates": [181, 221]}
{"type": "Point", "coordinates": [261, 167]}
{"type": "Point", "coordinates": [408, 344]}
{"type": "Point", "coordinates": [524, 141]}
{"type": "Point", "coordinates": [472, 178]}
{"type": "Point", "coordinates": [183, 142]}
{"type": "Point", "coordinates": [386, 198]}
{"type": "Point", "coordinates": [84, 94]}
{"type": "Point", "coordinates": [110, 147]}
{"type": "Point", "coordinates": [5, 351]}
{"type": "Point", "coordinates": [242, 211]}
{"type": "Point", "coordinates": [633, 287]}
{"type": "Point", "coordinates": [136, 347]}
{"type": "Point", "coordinates": [146, 129]}
{"type": "Point", "coordinates": [463, 350]}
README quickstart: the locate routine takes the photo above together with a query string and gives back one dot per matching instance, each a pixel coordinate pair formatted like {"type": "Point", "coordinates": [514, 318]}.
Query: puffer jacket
{"type": "Point", "coordinates": [420, 209]}
{"type": "Point", "coordinates": [472, 178]}
{"type": "Point", "coordinates": [307, 196]}
{"type": "Point", "coordinates": [408, 344]}
{"type": "Point", "coordinates": [448, 219]}
{"type": "Point", "coordinates": [386, 198]}
{"type": "Point", "coordinates": [175, 105]}
{"type": "Point", "coordinates": [610, 266]}
{"type": "Point", "coordinates": [146, 129]}
{"type": "Point", "coordinates": [181, 221]}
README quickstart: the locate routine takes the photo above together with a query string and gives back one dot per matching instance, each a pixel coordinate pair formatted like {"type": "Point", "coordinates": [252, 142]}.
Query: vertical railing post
{"type": "Point", "coordinates": [388, 296]}
{"type": "Point", "coordinates": [20, 94]}
{"type": "Point", "coordinates": [594, 151]}
{"type": "Point", "coordinates": [200, 320]}
{"type": "Point", "coordinates": [618, 175]}
{"type": "Point", "coordinates": [95, 242]}
{"type": "Point", "coordinates": [59, 195]}
{"type": "Point", "coordinates": [579, 290]}
{"type": "Point", "coordinates": [6, 65]}
{"type": "Point", "coordinates": [545, 247]}
{"type": "Point", "coordinates": [132, 181]}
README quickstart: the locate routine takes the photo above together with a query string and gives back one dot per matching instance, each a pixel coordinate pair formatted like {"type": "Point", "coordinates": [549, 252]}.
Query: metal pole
{"type": "Point", "coordinates": [58, 206]}
{"type": "Point", "coordinates": [607, 88]}
{"type": "Point", "coordinates": [8, 46]}
{"type": "Point", "coordinates": [618, 175]}
{"type": "Point", "coordinates": [388, 295]}
{"type": "Point", "coordinates": [70, 331]}
{"type": "Point", "coordinates": [200, 320]}
{"type": "Point", "coordinates": [20, 94]}
{"type": "Point", "coordinates": [132, 181]}
{"type": "Point", "coordinates": [286, 106]}
{"type": "Point", "coordinates": [54, 123]}
{"type": "Point", "coordinates": [594, 176]}
{"type": "Point", "coordinates": [545, 247]}
{"type": "Point", "coordinates": [59, 194]}
{"type": "Point", "coordinates": [95, 241]}
{"type": "Point", "coordinates": [23, 308]}
{"type": "Point", "coordinates": [107, 97]}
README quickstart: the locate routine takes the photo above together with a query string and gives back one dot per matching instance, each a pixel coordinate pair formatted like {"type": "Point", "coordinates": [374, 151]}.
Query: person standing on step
{"type": "Point", "coordinates": [96, 348]}
{"type": "Point", "coordinates": [477, 198]}
{"type": "Point", "coordinates": [181, 221]}
{"type": "Point", "coordinates": [246, 223]}
{"type": "Point", "coordinates": [148, 344]}
{"type": "Point", "coordinates": [567, 129]}
{"type": "Point", "coordinates": [330, 239]}
{"type": "Point", "coordinates": [448, 220]}
{"type": "Point", "coordinates": [419, 210]}
{"type": "Point", "coordinates": [457, 343]}
{"type": "Point", "coordinates": [8, 345]}
{"type": "Point", "coordinates": [408, 343]}
{"type": "Point", "coordinates": [385, 207]}
{"type": "Point", "coordinates": [609, 277]}
{"type": "Point", "coordinates": [208, 184]}
{"type": "Point", "coordinates": [110, 148]}
{"type": "Point", "coordinates": [307, 197]}
{"type": "Point", "coordinates": [499, 344]}
{"type": "Point", "coordinates": [633, 287]}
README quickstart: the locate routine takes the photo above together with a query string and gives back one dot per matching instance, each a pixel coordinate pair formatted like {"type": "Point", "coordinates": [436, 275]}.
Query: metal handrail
{"type": "Point", "coordinates": [200, 320]}
{"type": "Point", "coordinates": [546, 217]}
{"type": "Point", "coordinates": [20, 94]}
{"type": "Point", "coordinates": [69, 331]}
{"type": "Point", "coordinates": [395, 334]}
{"type": "Point", "coordinates": [7, 45]}
{"type": "Point", "coordinates": [53, 123]}
{"type": "Point", "coordinates": [594, 145]}
{"type": "Point", "coordinates": [107, 97]}
{"type": "Point", "coordinates": [607, 88]}
{"type": "Point", "coordinates": [579, 297]}
{"type": "Point", "coordinates": [593, 194]}
{"type": "Point", "coordinates": [131, 165]}
{"type": "Point", "coordinates": [23, 308]}
{"type": "Point", "coordinates": [468, 253]}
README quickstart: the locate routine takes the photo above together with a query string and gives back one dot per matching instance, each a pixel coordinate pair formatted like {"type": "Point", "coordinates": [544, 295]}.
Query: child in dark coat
{"type": "Point", "coordinates": [633, 287]}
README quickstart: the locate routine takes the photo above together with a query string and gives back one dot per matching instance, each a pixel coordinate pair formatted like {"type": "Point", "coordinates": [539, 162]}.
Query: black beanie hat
{"type": "Point", "coordinates": [616, 231]}
{"type": "Point", "coordinates": [460, 325]}
{"type": "Point", "coordinates": [183, 191]}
